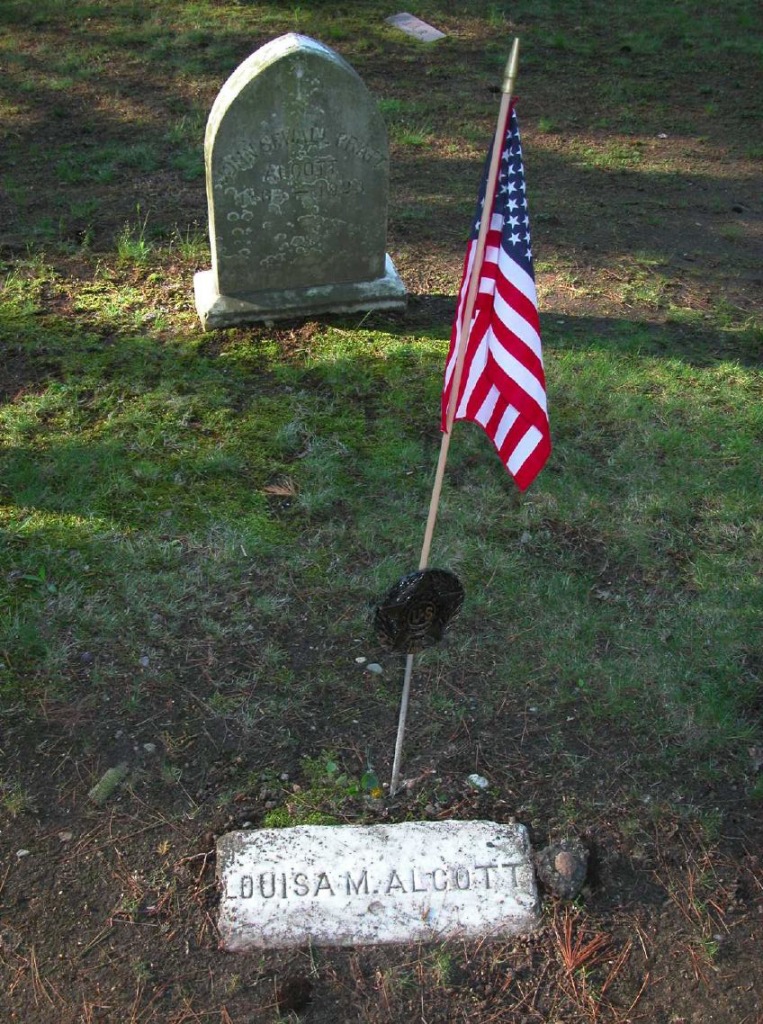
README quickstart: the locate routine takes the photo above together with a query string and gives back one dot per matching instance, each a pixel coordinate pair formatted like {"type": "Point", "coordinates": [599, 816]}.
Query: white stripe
{"type": "Point", "coordinates": [508, 420]}
{"type": "Point", "coordinates": [518, 373]}
{"type": "Point", "coordinates": [490, 259]}
{"type": "Point", "coordinates": [518, 325]}
{"type": "Point", "coordinates": [485, 411]}
{"type": "Point", "coordinates": [453, 356]}
{"type": "Point", "coordinates": [451, 366]}
{"type": "Point", "coordinates": [521, 280]}
{"type": "Point", "coordinates": [476, 370]}
{"type": "Point", "coordinates": [451, 363]}
{"type": "Point", "coordinates": [524, 450]}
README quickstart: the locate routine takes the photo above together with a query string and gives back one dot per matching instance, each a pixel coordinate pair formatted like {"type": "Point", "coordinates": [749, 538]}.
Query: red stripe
{"type": "Point", "coordinates": [517, 396]}
{"type": "Point", "coordinates": [533, 464]}
{"type": "Point", "coordinates": [516, 433]}
{"type": "Point", "coordinates": [517, 348]}
{"type": "Point", "coordinates": [478, 396]}
{"type": "Point", "coordinates": [492, 425]}
{"type": "Point", "coordinates": [518, 300]}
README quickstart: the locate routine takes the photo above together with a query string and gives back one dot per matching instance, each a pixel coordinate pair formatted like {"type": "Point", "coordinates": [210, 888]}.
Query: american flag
{"type": "Point", "coordinates": [503, 387]}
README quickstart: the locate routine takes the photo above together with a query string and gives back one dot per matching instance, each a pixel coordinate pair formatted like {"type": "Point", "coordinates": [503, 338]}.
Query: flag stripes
{"type": "Point", "coordinates": [503, 385]}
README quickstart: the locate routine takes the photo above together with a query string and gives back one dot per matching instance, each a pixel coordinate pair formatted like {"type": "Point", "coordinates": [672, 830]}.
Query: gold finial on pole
{"type": "Point", "coordinates": [512, 66]}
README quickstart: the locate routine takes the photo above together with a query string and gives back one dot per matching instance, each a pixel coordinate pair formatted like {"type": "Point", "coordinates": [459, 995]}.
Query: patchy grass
{"type": "Point", "coordinates": [194, 528]}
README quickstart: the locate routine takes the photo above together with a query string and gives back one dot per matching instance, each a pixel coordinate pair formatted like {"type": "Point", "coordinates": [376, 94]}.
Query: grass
{"type": "Point", "coordinates": [643, 548]}
{"type": "Point", "coordinates": [132, 245]}
{"type": "Point", "coordinates": [194, 527]}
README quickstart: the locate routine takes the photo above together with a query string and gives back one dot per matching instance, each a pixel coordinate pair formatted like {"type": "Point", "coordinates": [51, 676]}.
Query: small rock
{"type": "Point", "coordinates": [566, 865]}
{"type": "Point", "coordinates": [145, 661]}
{"type": "Point", "coordinates": [478, 781]}
{"type": "Point", "coordinates": [562, 868]}
{"type": "Point", "coordinates": [107, 784]}
{"type": "Point", "coordinates": [375, 668]}
{"type": "Point", "coordinates": [361, 660]}
{"type": "Point", "coordinates": [66, 837]}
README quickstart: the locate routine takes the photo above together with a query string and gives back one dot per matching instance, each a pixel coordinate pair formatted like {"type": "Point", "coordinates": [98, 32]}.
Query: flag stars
{"type": "Point", "coordinates": [509, 202]}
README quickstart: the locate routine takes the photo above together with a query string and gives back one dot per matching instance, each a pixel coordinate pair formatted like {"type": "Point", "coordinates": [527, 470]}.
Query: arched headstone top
{"type": "Point", "coordinates": [293, 43]}
{"type": "Point", "coordinates": [297, 172]}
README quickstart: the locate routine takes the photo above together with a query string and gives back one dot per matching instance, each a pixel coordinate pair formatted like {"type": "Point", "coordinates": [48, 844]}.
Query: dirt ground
{"type": "Point", "coordinates": [107, 913]}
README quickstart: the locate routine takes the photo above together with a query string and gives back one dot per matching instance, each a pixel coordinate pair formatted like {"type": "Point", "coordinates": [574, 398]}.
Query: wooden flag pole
{"type": "Point", "coordinates": [507, 89]}
{"type": "Point", "coordinates": [471, 298]}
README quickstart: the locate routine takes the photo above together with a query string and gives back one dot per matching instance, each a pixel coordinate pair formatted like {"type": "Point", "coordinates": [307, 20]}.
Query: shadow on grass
{"type": "Point", "coordinates": [82, 156]}
{"type": "Point", "coordinates": [689, 343]}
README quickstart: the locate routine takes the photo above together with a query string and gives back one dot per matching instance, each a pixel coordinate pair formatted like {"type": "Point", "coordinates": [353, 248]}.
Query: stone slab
{"type": "Point", "coordinates": [415, 27]}
{"type": "Point", "coordinates": [374, 884]}
{"type": "Point", "coordinates": [218, 311]}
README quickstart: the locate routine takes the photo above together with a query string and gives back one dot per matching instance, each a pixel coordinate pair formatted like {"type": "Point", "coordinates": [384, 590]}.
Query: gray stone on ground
{"type": "Point", "coordinates": [297, 173]}
{"type": "Point", "coordinates": [371, 884]}
{"type": "Point", "coordinates": [563, 867]}
{"type": "Point", "coordinates": [413, 26]}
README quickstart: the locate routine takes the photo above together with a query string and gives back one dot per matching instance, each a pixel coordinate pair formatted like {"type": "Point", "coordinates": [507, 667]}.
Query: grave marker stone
{"type": "Point", "coordinates": [353, 885]}
{"type": "Point", "coordinates": [413, 26]}
{"type": "Point", "coordinates": [297, 172]}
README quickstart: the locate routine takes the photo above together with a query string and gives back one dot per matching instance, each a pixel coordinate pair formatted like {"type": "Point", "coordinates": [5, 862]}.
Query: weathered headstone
{"type": "Point", "coordinates": [297, 170]}
{"type": "Point", "coordinates": [413, 26]}
{"type": "Point", "coordinates": [355, 885]}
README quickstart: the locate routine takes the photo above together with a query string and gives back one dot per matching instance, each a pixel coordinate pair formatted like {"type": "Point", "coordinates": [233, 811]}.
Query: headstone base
{"type": "Point", "coordinates": [216, 310]}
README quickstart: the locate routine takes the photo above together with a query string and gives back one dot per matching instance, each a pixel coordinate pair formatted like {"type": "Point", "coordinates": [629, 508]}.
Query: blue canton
{"type": "Point", "coordinates": [510, 200]}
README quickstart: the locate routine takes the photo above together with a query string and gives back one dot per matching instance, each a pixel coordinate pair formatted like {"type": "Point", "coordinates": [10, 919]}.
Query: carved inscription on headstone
{"type": "Point", "coordinates": [374, 884]}
{"type": "Point", "coordinates": [297, 183]}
